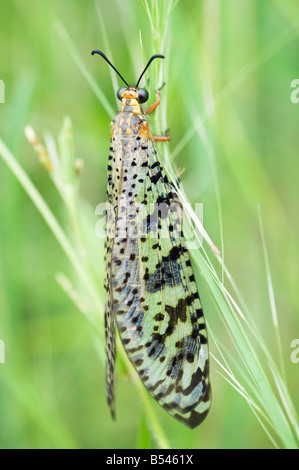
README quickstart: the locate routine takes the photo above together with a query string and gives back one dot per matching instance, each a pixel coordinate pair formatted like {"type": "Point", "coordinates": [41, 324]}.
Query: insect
{"type": "Point", "coordinates": [151, 293]}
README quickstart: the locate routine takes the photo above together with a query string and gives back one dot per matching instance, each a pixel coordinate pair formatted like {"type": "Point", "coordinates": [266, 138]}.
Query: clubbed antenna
{"type": "Point", "coordinates": [156, 56]}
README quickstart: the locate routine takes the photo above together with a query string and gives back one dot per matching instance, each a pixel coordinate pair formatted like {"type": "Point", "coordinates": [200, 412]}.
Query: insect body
{"type": "Point", "coordinates": [151, 292]}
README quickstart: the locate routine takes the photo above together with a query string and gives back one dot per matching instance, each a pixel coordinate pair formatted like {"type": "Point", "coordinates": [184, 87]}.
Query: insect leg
{"type": "Point", "coordinates": [161, 138]}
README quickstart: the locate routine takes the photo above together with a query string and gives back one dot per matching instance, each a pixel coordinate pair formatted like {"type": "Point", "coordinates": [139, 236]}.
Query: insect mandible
{"type": "Point", "coordinates": [151, 292]}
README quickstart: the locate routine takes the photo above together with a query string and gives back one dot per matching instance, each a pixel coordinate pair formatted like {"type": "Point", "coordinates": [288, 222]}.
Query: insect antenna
{"type": "Point", "coordinates": [96, 51]}
{"type": "Point", "coordinates": [156, 56]}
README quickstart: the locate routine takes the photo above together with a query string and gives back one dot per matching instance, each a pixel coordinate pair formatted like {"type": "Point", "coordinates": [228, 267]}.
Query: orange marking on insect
{"type": "Point", "coordinates": [136, 108]}
{"type": "Point", "coordinates": [49, 167]}
{"type": "Point", "coordinates": [130, 93]}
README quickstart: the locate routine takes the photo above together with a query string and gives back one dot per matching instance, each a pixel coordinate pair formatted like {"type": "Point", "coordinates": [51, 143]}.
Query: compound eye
{"type": "Point", "coordinates": [119, 93]}
{"type": "Point", "coordinates": [142, 95]}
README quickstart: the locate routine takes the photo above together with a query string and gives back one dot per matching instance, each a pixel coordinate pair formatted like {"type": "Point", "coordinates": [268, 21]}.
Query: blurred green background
{"type": "Point", "coordinates": [230, 62]}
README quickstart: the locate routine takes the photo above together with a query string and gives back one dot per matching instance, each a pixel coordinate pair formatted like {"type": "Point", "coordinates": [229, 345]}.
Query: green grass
{"type": "Point", "coordinates": [228, 71]}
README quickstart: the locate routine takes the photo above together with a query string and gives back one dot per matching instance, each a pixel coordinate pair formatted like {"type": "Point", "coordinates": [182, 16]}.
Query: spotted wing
{"type": "Point", "coordinates": [155, 298]}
